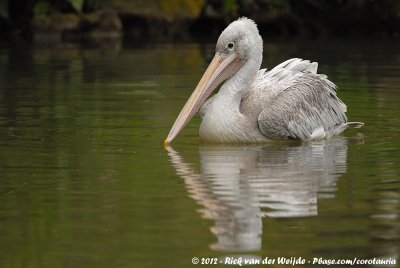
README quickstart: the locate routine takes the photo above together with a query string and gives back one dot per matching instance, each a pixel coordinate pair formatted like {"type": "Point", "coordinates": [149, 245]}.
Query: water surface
{"type": "Point", "coordinates": [85, 181]}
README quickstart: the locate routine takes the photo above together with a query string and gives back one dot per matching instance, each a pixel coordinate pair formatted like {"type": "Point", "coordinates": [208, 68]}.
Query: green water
{"type": "Point", "coordinates": [85, 181]}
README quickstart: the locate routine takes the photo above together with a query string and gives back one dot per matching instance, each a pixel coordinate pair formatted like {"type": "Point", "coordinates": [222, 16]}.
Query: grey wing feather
{"type": "Point", "coordinates": [295, 102]}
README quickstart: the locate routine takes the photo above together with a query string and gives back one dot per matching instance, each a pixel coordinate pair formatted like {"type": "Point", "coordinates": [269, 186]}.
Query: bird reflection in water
{"type": "Point", "coordinates": [238, 185]}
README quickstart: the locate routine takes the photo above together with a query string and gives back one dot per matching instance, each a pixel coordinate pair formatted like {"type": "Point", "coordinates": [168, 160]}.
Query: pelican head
{"type": "Point", "coordinates": [238, 46]}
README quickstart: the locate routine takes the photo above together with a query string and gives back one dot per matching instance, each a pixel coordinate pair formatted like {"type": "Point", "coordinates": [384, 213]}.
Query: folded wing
{"type": "Point", "coordinates": [293, 101]}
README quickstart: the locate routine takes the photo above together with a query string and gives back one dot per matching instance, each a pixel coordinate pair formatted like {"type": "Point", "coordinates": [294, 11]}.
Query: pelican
{"type": "Point", "coordinates": [291, 101]}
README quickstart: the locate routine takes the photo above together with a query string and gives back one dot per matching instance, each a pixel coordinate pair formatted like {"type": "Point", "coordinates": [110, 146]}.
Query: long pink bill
{"type": "Point", "coordinates": [222, 67]}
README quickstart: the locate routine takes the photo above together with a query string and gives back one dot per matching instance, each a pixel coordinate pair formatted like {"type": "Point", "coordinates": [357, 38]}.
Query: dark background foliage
{"type": "Point", "coordinates": [178, 19]}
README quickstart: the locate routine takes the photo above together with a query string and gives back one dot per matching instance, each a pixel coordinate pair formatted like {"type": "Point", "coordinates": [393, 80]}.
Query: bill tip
{"type": "Point", "coordinates": [166, 143]}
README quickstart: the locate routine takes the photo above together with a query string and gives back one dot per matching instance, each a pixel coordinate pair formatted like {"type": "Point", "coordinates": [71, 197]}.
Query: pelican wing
{"type": "Point", "coordinates": [296, 102]}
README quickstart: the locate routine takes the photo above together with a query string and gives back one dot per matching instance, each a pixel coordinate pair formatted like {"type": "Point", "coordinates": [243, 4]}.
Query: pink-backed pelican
{"type": "Point", "coordinates": [253, 105]}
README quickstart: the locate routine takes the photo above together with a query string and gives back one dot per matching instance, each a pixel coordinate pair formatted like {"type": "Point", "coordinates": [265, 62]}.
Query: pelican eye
{"type": "Point", "coordinates": [230, 45]}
